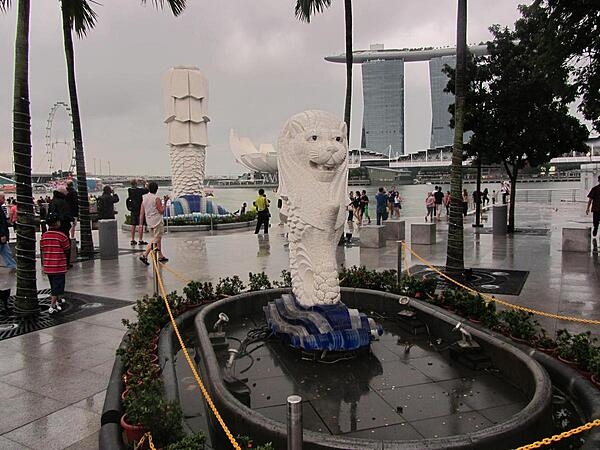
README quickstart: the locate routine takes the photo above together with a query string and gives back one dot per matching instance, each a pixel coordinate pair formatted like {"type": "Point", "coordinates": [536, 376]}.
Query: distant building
{"type": "Point", "coordinates": [441, 133]}
{"type": "Point", "coordinates": [383, 114]}
{"type": "Point", "coordinates": [383, 94]}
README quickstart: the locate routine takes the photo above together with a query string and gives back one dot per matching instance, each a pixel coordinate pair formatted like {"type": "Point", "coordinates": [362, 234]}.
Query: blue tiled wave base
{"type": "Point", "coordinates": [324, 327]}
{"type": "Point", "coordinates": [195, 204]}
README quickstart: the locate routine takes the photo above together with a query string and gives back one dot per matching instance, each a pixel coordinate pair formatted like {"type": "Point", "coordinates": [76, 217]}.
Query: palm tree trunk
{"type": "Point", "coordinates": [87, 245]}
{"type": "Point", "coordinates": [349, 62]}
{"type": "Point", "coordinates": [455, 251]}
{"type": "Point", "coordinates": [26, 301]}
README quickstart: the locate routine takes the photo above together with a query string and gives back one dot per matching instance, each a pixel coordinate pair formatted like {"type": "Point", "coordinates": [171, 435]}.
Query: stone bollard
{"type": "Point", "coordinates": [395, 230]}
{"type": "Point", "coordinates": [372, 236]}
{"type": "Point", "coordinates": [423, 233]}
{"type": "Point", "coordinates": [499, 220]}
{"type": "Point", "coordinates": [73, 252]}
{"type": "Point", "coordinates": [576, 239]}
{"type": "Point", "coordinates": [109, 239]}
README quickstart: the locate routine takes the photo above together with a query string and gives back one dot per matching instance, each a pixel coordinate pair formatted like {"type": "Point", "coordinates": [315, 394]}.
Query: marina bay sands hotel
{"type": "Point", "coordinates": [383, 94]}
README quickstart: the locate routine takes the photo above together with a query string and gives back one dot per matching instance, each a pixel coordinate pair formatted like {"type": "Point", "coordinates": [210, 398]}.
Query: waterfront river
{"type": "Point", "coordinates": [413, 196]}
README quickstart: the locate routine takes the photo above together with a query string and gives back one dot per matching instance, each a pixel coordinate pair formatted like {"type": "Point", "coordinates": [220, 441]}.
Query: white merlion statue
{"type": "Point", "coordinates": [185, 92]}
{"type": "Point", "coordinates": [313, 179]}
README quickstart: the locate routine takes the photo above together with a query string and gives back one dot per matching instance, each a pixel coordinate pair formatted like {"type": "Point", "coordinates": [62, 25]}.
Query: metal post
{"type": "Point", "coordinates": [400, 254]}
{"type": "Point", "coordinates": [294, 422]}
{"type": "Point", "coordinates": [155, 266]}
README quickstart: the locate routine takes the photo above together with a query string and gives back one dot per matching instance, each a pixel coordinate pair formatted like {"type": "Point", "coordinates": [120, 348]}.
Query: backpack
{"type": "Point", "coordinates": [129, 204]}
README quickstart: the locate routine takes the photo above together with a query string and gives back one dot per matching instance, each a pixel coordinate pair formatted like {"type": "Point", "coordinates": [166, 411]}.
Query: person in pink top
{"type": "Point", "coordinates": [430, 204]}
{"type": "Point", "coordinates": [12, 213]}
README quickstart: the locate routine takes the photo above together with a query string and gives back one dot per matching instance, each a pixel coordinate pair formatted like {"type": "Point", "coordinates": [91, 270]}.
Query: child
{"type": "Point", "coordinates": [55, 247]}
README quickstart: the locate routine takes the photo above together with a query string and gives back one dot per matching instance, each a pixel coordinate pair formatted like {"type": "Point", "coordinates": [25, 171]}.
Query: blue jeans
{"type": "Point", "coordinates": [8, 257]}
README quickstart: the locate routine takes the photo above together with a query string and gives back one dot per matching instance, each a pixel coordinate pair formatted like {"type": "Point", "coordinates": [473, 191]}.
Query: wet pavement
{"type": "Point", "coordinates": [52, 382]}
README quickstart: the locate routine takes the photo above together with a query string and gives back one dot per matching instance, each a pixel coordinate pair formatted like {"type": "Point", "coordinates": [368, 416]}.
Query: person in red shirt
{"type": "Point", "coordinates": [55, 247]}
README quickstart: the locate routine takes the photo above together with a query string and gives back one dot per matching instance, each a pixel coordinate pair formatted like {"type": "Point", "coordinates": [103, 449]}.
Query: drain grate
{"type": "Point", "coordinates": [75, 307]}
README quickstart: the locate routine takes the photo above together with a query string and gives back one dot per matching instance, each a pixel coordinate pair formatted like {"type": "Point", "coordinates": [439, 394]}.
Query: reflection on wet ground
{"type": "Point", "coordinates": [389, 394]}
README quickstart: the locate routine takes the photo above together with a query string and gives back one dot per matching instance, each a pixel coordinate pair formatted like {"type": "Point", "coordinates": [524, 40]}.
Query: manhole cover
{"type": "Point", "coordinates": [500, 274]}
{"type": "Point", "coordinates": [8, 327]}
{"type": "Point", "coordinates": [490, 286]}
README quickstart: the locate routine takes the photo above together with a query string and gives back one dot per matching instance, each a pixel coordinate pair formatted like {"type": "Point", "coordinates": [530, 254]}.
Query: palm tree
{"type": "Point", "coordinates": [79, 16]}
{"type": "Point", "coordinates": [26, 300]}
{"type": "Point", "coordinates": [304, 10]}
{"type": "Point", "coordinates": [455, 251]}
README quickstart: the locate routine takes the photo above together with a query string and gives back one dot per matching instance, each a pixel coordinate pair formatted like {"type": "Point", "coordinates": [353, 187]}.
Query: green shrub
{"type": "Point", "coordinates": [229, 286]}
{"type": "Point", "coordinates": [286, 279]}
{"type": "Point", "coordinates": [258, 281]}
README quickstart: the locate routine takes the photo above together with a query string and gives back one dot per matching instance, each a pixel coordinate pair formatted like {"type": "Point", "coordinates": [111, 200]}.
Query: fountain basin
{"type": "Point", "coordinates": [388, 399]}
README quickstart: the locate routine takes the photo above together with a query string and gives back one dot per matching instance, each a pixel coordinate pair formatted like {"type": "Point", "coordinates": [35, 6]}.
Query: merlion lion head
{"type": "Point", "coordinates": [314, 143]}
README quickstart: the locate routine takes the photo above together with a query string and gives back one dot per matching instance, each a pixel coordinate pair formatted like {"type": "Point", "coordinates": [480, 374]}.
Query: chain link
{"type": "Point", "coordinates": [203, 389]}
{"type": "Point", "coordinates": [561, 436]}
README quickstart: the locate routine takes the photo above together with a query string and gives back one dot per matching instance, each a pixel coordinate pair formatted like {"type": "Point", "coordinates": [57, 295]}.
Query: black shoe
{"type": "Point", "coordinates": [142, 243]}
{"type": "Point", "coordinates": [163, 259]}
{"type": "Point", "coordinates": [132, 242]}
{"type": "Point", "coordinates": [144, 260]}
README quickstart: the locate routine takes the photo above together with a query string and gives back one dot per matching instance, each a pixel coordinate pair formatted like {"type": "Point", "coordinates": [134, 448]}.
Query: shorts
{"type": "Point", "coordinates": [158, 231]}
{"type": "Point", "coordinates": [57, 283]}
{"type": "Point", "coordinates": [135, 217]}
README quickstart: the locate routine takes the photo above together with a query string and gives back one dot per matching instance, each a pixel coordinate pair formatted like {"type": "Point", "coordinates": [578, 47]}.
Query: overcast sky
{"type": "Point", "coordinates": [262, 65]}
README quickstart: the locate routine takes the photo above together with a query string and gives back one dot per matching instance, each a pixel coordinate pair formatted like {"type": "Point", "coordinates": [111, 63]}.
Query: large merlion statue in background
{"type": "Point", "coordinates": [313, 178]}
{"type": "Point", "coordinates": [185, 92]}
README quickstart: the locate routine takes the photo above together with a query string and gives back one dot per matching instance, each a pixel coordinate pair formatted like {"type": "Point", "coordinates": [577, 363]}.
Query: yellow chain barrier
{"type": "Point", "coordinates": [563, 435]}
{"type": "Point", "coordinates": [148, 436]}
{"type": "Point", "coordinates": [205, 393]}
{"type": "Point", "coordinates": [175, 273]}
{"type": "Point", "coordinates": [490, 298]}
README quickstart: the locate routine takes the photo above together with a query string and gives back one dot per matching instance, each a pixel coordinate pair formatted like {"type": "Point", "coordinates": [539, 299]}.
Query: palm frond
{"type": "Point", "coordinates": [4, 5]}
{"type": "Point", "coordinates": [305, 9]}
{"type": "Point", "coordinates": [81, 15]}
{"type": "Point", "coordinates": [177, 6]}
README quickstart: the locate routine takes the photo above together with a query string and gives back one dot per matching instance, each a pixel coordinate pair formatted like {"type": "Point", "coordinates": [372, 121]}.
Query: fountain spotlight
{"type": "Point", "coordinates": [466, 340]}
{"type": "Point", "coordinates": [233, 352]}
{"type": "Point", "coordinates": [223, 319]}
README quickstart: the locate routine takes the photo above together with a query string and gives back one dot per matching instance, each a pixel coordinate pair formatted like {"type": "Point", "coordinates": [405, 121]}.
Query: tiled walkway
{"type": "Point", "coordinates": [52, 382]}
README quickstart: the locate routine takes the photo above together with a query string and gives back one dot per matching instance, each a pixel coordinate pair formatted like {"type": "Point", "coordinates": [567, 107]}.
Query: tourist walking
{"type": "Point", "coordinates": [134, 204]}
{"type": "Point", "coordinates": [397, 204]}
{"type": "Point", "coordinates": [350, 207]}
{"type": "Point", "coordinates": [485, 197]}
{"type": "Point", "coordinates": [106, 203]}
{"type": "Point", "coordinates": [439, 200]}
{"type": "Point", "coordinates": [430, 205]}
{"type": "Point", "coordinates": [364, 204]}
{"type": "Point", "coordinates": [60, 206]}
{"type": "Point", "coordinates": [12, 217]}
{"type": "Point", "coordinates": [494, 197]}
{"type": "Point", "coordinates": [73, 206]}
{"type": "Point", "coordinates": [4, 238]}
{"type": "Point", "coordinates": [594, 206]}
{"type": "Point", "coordinates": [505, 191]}
{"type": "Point", "coordinates": [465, 202]}
{"type": "Point", "coordinates": [357, 209]}
{"type": "Point", "coordinates": [381, 199]}
{"type": "Point", "coordinates": [55, 246]}
{"type": "Point", "coordinates": [447, 201]}
{"type": "Point", "coordinates": [262, 211]}
{"type": "Point", "coordinates": [152, 211]}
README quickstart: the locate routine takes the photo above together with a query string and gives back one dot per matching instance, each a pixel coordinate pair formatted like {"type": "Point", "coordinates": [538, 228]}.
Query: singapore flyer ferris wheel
{"type": "Point", "coordinates": [60, 149]}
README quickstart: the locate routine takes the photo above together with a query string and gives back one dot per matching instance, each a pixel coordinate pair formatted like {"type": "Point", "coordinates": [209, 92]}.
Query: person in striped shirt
{"type": "Point", "coordinates": [55, 247]}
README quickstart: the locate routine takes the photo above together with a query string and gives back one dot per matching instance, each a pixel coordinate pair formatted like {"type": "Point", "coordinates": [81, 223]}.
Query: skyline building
{"type": "Point", "coordinates": [441, 133]}
{"type": "Point", "coordinates": [383, 112]}
{"type": "Point", "coordinates": [383, 94]}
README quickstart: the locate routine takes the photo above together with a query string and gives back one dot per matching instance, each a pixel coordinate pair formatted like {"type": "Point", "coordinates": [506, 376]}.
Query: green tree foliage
{"type": "Point", "coordinates": [518, 105]}
{"type": "Point", "coordinates": [570, 30]}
